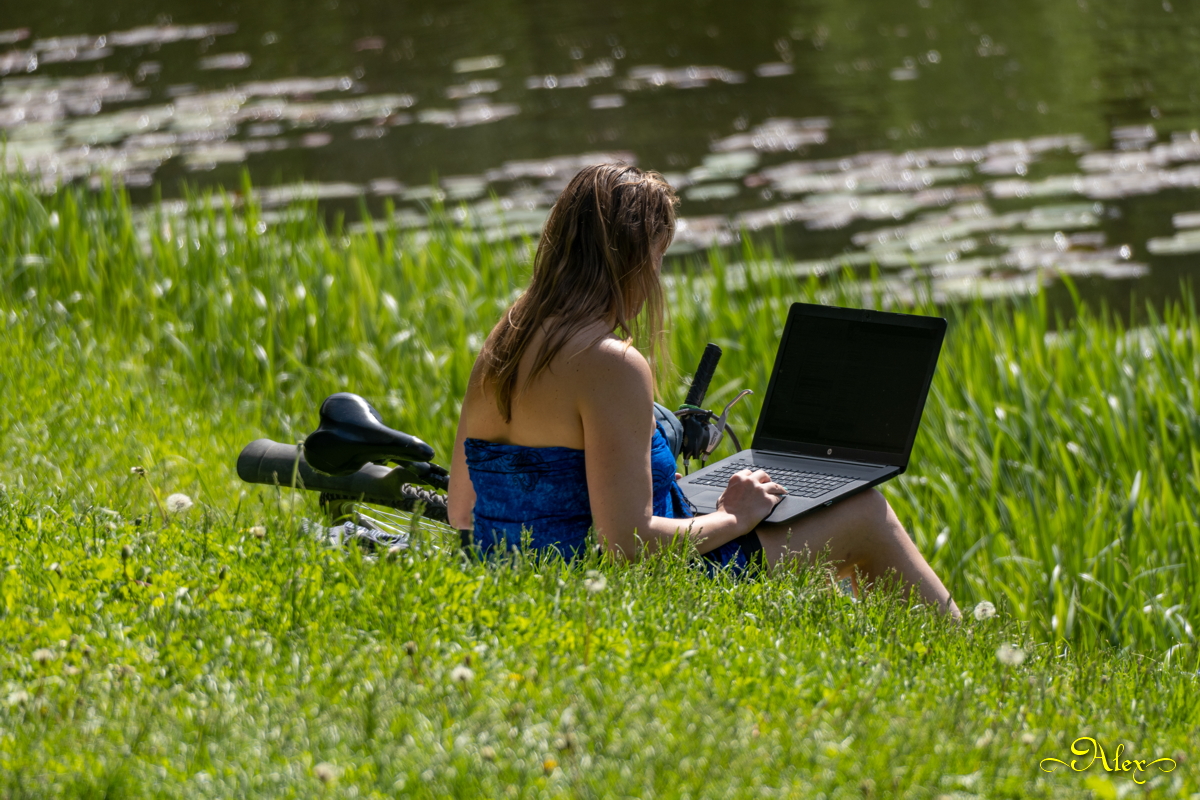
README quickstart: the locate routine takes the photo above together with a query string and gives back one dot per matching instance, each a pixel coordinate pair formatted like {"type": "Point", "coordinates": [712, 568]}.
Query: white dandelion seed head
{"type": "Point", "coordinates": [18, 697]}
{"type": "Point", "coordinates": [595, 582]}
{"type": "Point", "coordinates": [325, 772]}
{"type": "Point", "coordinates": [43, 654]}
{"type": "Point", "coordinates": [984, 610]}
{"type": "Point", "coordinates": [258, 532]}
{"type": "Point", "coordinates": [462, 674]}
{"type": "Point", "coordinates": [178, 503]}
{"type": "Point", "coordinates": [1010, 656]}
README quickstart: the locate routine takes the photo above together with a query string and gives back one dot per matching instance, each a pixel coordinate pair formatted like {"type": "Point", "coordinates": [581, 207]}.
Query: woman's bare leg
{"type": "Point", "coordinates": [862, 535]}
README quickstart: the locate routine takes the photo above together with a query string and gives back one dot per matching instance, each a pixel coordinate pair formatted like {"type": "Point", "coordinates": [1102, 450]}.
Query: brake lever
{"type": "Point", "coordinates": [424, 472]}
{"type": "Point", "coordinates": [719, 427]}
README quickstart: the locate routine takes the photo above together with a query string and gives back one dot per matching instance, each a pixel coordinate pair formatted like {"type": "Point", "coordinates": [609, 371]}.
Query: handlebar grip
{"type": "Point", "coordinates": [704, 373]}
{"type": "Point", "coordinates": [265, 461]}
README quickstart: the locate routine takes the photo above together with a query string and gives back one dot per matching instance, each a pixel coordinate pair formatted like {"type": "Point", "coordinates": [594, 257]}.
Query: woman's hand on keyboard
{"type": "Point", "coordinates": [749, 497]}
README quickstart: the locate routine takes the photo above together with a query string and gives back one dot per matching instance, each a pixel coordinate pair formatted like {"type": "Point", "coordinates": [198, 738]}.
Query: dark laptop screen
{"type": "Point", "coordinates": [849, 383]}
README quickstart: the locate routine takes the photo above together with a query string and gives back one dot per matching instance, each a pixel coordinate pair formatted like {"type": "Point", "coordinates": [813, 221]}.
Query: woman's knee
{"type": "Point", "coordinates": [871, 507]}
{"type": "Point", "coordinates": [875, 520]}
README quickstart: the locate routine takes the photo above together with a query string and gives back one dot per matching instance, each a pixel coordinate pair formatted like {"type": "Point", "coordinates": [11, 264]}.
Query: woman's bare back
{"type": "Point", "coordinates": [546, 412]}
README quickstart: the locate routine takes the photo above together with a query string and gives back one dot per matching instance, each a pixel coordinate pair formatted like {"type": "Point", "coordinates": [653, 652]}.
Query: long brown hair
{"type": "Point", "coordinates": [595, 261]}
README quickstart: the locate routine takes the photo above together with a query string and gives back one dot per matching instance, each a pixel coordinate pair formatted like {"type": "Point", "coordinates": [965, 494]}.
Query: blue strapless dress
{"type": "Point", "coordinates": [541, 493]}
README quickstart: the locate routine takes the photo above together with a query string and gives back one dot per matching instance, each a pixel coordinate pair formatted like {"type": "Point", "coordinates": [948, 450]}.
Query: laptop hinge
{"type": "Point", "coordinates": [818, 458]}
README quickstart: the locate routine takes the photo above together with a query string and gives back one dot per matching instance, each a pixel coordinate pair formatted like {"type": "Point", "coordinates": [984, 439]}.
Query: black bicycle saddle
{"type": "Point", "coordinates": [352, 434]}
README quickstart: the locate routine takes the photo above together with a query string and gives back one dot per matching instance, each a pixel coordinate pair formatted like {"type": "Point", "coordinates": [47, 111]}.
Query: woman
{"type": "Point", "coordinates": [557, 432]}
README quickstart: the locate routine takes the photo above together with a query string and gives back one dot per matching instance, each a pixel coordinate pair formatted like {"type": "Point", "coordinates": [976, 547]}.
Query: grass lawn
{"type": "Point", "coordinates": [223, 653]}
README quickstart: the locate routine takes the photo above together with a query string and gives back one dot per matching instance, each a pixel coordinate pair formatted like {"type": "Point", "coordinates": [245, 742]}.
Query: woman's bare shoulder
{"type": "Point", "coordinates": [611, 366]}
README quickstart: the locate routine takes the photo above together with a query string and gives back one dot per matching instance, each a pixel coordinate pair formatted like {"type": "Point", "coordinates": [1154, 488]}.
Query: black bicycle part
{"type": "Point", "coordinates": [698, 433]}
{"type": "Point", "coordinates": [703, 376]}
{"type": "Point", "coordinates": [412, 498]}
{"type": "Point", "coordinates": [274, 464]}
{"type": "Point", "coordinates": [352, 435]}
{"type": "Point", "coordinates": [697, 430]}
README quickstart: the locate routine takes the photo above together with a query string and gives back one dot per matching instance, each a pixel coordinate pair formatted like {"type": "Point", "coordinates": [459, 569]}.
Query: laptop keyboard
{"type": "Point", "coordinates": [797, 482]}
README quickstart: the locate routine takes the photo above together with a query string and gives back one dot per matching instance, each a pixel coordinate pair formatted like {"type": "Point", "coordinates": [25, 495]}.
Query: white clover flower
{"type": "Point", "coordinates": [595, 582]}
{"type": "Point", "coordinates": [18, 697]}
{"type": "Point", "coordinates": [325, 772]}
{"type": "Point", "coordinates": [462, 674]}
{"type": "Point", "coordinates": [985, 610]}
{"type": "Point", "coordinates": [1010, 656]}
{"type": "Point", "coordinates": [178, 503]}
{"type": "Point", "coordinates": [43, 654]}
{"type": "Point", "coordinates": [258, 532]}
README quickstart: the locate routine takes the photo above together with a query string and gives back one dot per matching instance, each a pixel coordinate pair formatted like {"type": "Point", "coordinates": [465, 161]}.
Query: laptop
{"type": "Point", "coordinates": [841, 411]}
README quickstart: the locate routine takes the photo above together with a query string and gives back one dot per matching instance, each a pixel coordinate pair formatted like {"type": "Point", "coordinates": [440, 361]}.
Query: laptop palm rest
{"type": "Point", "coordinates": [864, 475]}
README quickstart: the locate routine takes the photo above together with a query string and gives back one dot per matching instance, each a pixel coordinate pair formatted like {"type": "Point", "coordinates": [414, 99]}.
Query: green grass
{"type": "Point", "coordinates": [1054, 475]}
{"type": "Point", "coordinates": [280, 656]}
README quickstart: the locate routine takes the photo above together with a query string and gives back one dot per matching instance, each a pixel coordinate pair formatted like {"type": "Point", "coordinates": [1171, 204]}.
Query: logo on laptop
{"type": "Point", "coordinates": [829, 452]}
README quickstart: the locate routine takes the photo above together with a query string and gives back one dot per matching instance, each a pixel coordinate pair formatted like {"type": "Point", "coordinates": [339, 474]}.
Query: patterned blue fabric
{"type": "Point", "coordinates": [544, 491]}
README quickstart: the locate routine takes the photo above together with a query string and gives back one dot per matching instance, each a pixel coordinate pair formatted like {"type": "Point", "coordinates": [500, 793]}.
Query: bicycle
{"type": "Point", "coordinates": [346, 460]}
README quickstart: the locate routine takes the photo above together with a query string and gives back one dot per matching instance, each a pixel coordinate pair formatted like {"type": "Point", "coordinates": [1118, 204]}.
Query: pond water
{"type": "Point", "coordinates": [980, 147]}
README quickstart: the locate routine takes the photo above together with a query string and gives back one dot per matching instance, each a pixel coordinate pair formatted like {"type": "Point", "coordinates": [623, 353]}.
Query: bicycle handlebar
{"type": "Point", "coordinates": [271, 463]}
{"type": "Point", "coordinates": [703, 376]}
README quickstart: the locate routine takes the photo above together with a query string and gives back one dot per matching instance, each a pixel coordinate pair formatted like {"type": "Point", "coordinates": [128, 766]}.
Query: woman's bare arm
{"type": "Point", "coordinates": [460, 497]}
{"type": "Point", "coordinates": [615, 400]}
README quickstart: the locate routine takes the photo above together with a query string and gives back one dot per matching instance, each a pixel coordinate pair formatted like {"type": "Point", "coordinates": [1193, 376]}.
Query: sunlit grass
{"type": "Point", "coordinates": [1055, 468]}
{"type": "Point", "coordinates": [1054, 475]}
{"type": "Point", "coordinates": [214, 659]}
